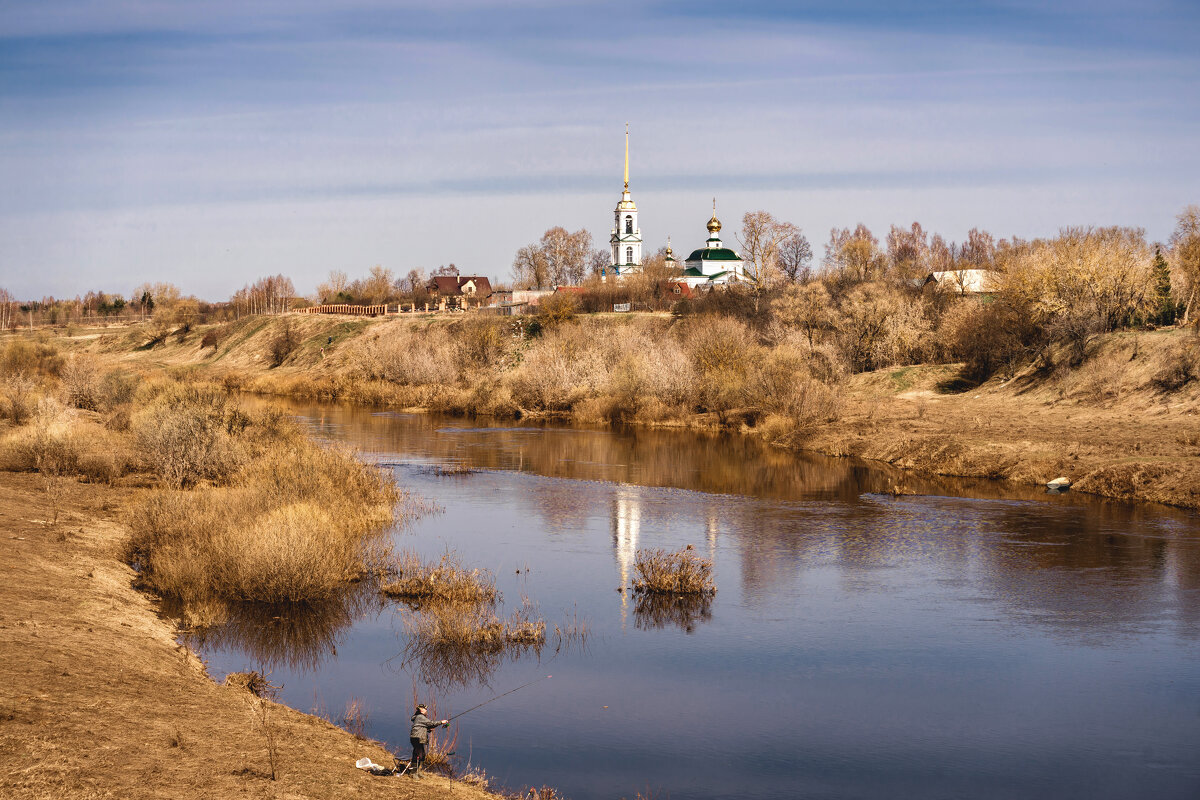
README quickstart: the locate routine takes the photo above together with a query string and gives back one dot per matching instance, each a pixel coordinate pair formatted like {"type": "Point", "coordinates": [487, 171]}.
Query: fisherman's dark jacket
{"type": "Point", "coordinates": [421, 725]}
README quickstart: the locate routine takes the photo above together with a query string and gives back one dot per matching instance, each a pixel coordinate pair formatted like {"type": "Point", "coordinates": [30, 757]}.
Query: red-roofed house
{"type": "Point", "coordinates": [459, 290]}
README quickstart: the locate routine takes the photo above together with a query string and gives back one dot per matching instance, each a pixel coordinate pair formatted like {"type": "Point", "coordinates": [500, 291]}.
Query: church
{"type": "Point", "coordinates": [714, 264]}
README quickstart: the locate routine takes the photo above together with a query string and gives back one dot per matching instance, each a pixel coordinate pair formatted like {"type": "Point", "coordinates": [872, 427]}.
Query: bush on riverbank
{"type": "Point", "coordinates": [295, 526]}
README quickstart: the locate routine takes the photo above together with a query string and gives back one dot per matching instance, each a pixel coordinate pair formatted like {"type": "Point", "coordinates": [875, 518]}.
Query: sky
{"type": "Point", "coordinates": [211, 143]}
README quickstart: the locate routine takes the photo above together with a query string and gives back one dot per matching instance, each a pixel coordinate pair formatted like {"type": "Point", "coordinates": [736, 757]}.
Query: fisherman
{"type": "Point", "coordinates": [419, 736]}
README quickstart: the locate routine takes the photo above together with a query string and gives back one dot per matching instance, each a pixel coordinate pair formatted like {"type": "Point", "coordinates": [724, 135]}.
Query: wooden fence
{"type": "Point", "coordinates": [361, 311]}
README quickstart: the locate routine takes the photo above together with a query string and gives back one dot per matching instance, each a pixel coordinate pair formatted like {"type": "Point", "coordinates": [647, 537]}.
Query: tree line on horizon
{"type": "Point", "coordinates": [1115, 267]}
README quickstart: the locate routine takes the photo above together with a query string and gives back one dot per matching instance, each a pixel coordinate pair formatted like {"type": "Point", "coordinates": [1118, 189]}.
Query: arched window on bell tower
{"type": "Point", "coordinates": [628, 255]}
{"type": "Point", "coordinates": [629, 223]}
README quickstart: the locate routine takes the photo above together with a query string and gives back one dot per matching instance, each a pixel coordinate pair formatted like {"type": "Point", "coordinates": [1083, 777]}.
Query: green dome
{"type": "Point", "coordinates": [714, 254]}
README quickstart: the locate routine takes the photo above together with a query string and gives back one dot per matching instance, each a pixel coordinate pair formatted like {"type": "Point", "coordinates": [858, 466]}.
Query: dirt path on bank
{"type": "Point", "coordinates": [98, 700]}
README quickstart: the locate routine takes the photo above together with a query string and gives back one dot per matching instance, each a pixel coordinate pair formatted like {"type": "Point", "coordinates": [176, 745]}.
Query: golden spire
{"type": "Point", "coordinates": [627, 156]}
{"type": "Point", "coordinates": [714, 224]}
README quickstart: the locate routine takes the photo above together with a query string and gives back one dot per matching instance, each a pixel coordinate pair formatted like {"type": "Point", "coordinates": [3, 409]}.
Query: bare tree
{"type": "Point", "coordinates": [1084, 282]}
{"type": "Point", "coordinates": [379, 286]}
{"type": "Point", "coordinates": [529, 268]}
{"type": "Point", "coordinates": [795, 258]}
{"type": "Point", "coordinates": [269, 295]}
{"type": "Point", "coordinates": [942, 254]}
{"type": "Point", "coordinates": [7, 306]}
{"type": "Point", "coordinates": [328, 291]}
{"type": "Point", "coordinates": [908, 251]}
{"type": "Point", "coordinates": [559, 259]}
{"type": "Point", "coordinates": [979, 251]}
{"type": "Point", "coordinates": [158, 297]}
{"type": "Point", "coordinates": [760, 240]}
{"type": "Point", "coordinates": [599, 262]}
{"type": "Point", "coordinates": [1185, 255]}
{"type": "Point", "coordinates": [807, 307]}
{"type": "Point", "coordinates": [853, 255]}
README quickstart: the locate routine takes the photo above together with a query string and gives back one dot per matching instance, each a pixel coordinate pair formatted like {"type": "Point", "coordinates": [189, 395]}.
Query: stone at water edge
{"type": "Point", "coordinates": [1058, 484]}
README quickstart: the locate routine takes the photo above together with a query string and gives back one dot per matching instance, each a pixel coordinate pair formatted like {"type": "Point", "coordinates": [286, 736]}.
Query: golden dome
{"type": "Point", "coordinates": [714, 224]}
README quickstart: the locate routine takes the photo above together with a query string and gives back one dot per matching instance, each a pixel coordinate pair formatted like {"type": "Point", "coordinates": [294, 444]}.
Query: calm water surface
{"type": "Point", "coordinates": [967, 641]}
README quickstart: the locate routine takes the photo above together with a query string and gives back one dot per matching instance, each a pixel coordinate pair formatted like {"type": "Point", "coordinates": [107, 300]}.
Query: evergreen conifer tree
{"type": "Point", "coordinates": [1164, 304]}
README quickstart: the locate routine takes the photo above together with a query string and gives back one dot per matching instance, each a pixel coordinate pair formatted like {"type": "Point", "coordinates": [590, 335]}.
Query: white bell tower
{"type": "Point", "coordinates": [626, 237]}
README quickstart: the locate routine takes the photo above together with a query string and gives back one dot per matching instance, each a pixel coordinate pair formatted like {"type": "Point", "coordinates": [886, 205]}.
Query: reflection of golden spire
{"type": "Point", "coordinates": [627, 157]}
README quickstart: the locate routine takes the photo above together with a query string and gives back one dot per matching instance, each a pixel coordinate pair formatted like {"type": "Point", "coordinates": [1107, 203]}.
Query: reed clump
{"type": "Point", "coordinates": [296, 525]}
{"type": "Point", "coordinates": [446, 581]}
{"type": "Point", "coordinates": [683, 572]}
{"type": "Point", "coordinates": [478, 628]}
{"type": "Point", "coordinates": [463, 643]}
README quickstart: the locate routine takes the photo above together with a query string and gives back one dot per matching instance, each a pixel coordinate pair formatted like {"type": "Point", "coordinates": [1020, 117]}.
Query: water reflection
{"type": "Point", "coordinates": [626, 523]}
{"type": "Point", "coordinates": [682, 611]}
{"type": "Point", "coordinates": [933, 642]}
{"type": "Point", "coordinates": [295, 636]}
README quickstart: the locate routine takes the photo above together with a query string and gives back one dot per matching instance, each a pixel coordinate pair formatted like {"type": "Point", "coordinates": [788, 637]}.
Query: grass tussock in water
{"type": "Point", "coordinates": [681, 573]}
{"type": "Point", "coordinates": [446, 581]}
{"type": "Point", "coordinates": [475, 627]}
{"type": "Point", "coordinates": [457, 644]}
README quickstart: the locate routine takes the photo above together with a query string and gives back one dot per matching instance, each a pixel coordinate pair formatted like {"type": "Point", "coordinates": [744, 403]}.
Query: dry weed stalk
{"type": "Point", "coordinates": [354, 717]}
{"type": "Point", "coordinates": [260, 694]}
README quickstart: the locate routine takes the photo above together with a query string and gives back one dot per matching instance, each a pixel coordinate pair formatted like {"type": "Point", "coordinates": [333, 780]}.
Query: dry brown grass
{"type": "Point", "coordinates": [300, 522]}
{"type": "Point", "coordinates": [683, 572]}
{"type": "Point", "coordinates": [446, 581]}
{"type": "Point", "coordinates": [475, 628]}
{"type": "Point", "coordinates": [457, 644]}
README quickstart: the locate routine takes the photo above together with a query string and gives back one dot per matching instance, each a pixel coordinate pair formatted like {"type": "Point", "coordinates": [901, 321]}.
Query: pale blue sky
{"type": "Point", "coordinates": [211, 143]}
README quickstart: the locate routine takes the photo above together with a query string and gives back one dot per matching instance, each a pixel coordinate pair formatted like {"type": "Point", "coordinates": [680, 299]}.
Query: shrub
{"type": "Point", "coordinates": [993, 338]}
{"type": "Point", "coordinates": [156, 332]}
{"type": "Point", "coordinates": [301, 521]}
{"type": "Point", "coordinates": [556, 309]}
{"type": "Point", "coordinates": [186, 435]}
{"type": "Point", "coordinates": [213, 336]}
{"type": "Point", "coordinates": [681, 572]}
{"type": "Point", "coordinates": [284, 343]}
{"type": "Point", "coordinates": [1182, 367]}
{"type": "Point", "coordinates": [406, 356]}
{"type": "Point", "coordinates": [563, 368]}
{"type": "Point", "coordinates": [482, 341]}
{"type": "Point", "coordinates": [49, 446]}
{"type": "Point", "coordinates": [444, 581]}
{"type": "Point", "coordinates": [21, 356]}
{"type": "Point", "coordinates": [18, 398]}
{"type": "Point", "coordinates": [473, 627]}
{"type": "Point", "coordinates": [81, 383]}
{"type": "Point", "coordinates": [117, 388]}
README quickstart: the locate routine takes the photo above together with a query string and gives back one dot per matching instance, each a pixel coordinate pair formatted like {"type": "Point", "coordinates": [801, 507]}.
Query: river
{"type": "Point", "coordinates": [963, 639]}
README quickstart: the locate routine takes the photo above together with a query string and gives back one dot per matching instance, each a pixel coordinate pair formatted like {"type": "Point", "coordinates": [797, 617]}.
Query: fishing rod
{"type": "Point", "coordinates": [497, 697]}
